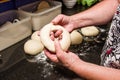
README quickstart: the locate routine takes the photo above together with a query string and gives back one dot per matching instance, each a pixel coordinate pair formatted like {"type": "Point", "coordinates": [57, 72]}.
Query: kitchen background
{"type": "Point", "coordinates": [13, 62]}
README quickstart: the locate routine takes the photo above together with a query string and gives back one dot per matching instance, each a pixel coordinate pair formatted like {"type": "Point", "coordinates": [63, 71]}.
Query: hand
{"type": "Point", "coordinates": [64, 21]}
{"type": "Point", "coordinates": [67, 59]}
{"type": "Point", "coordinates": [56, 34]}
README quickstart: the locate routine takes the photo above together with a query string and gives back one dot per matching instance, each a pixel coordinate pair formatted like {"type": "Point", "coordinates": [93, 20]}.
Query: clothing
{"type": "Point", "coordinates": [110, 56]}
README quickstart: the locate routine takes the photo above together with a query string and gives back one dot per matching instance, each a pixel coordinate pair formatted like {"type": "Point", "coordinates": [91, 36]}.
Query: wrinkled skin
{"type": "Point", "coordinates": [66, 59]}
{"type": "Point", "coordinates": [64, 21]}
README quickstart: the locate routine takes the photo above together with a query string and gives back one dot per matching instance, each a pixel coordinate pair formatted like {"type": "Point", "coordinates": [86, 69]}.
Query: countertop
{"type": "Point", "coordinates": [24, 70]}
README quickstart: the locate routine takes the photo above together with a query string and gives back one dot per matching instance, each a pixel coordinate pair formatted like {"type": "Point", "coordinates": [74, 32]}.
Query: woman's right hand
{"type": "Point", "coordinates": [64, 21]}
{"type": "Point", "coordinates": [65, 58]}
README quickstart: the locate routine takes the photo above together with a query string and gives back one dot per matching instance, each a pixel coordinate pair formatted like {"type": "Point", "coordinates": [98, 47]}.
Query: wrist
{"type": "Point", "coordinates": [75, 21]}
{"type": "Point", "coordinates": [80, 20]}
{"type": "Point", "coordinates": [76, 65]}
{"type": "Point", "coordinates": [79, 67]}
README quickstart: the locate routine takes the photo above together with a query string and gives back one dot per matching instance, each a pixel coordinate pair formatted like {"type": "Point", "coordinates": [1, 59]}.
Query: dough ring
{"type": "Point", "coordinates": [48, 43]}
{"type": "Point", "coordinates": [76, 37]}
{"type": "Point", "coordinates": [90, 31]}
{"type": "Point", "coordinates": [33, 47]}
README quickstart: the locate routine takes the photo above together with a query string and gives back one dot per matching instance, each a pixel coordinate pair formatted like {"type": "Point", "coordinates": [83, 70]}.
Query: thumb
{"type": "Point", "coordinates": [58, 48]}
{"type": "Point", "coordinates": [57, 20]}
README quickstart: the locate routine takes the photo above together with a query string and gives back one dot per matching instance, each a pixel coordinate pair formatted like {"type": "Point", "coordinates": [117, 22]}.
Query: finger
{"type": "Point", "coordinates": [57, 19]}
{"type": "Point", "coordinates": [38, 33]}
{"type": "Point", "coordinates": [52, 36]}
{"type": "Point", "coordinates": [51, 56]}
{"type": "Point", "coordinates": [61, 55]}
{"type": "Point", "coordinates": [58, 48]}
{"type": "Point", "coordinates": [58, 32]}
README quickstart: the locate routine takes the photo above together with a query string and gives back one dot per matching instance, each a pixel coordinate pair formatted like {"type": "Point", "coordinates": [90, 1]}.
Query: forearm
{"type": "Point", "coordinates": [99, 14]}
{"type": "Point", "coordinates": [95, 72]}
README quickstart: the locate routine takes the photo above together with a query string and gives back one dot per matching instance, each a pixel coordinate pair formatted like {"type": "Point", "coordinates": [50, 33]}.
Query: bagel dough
{"type": "Point", "coordinates": [33, 47]}
{"type": "Point", "coordinates": [36, 36]}
{"type": "Point", "coordinates": [76, 37]}
{"type": "Point", "coordinates": [48, 43]}
{"type": "Point", "coordinates": [90, 31]}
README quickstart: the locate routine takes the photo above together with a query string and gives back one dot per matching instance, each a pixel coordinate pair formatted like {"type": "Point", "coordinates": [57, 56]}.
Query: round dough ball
{"type": "Point", "coordinates": [76, 37]}
{"type": "Point", "coordinates": [48, 43]}
{"type": "Point", "coordinates": [90, 31]}
{"type": "Point", "coordinates": [36, 36]}
{"type": "Point", "coordinates": [43, 6]}
{"type": "Point", "coordinates": [33, 47]}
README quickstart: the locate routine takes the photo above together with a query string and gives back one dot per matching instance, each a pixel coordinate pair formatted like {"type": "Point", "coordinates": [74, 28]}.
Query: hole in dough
{"type": "Point", "coordinates": [48, 43]}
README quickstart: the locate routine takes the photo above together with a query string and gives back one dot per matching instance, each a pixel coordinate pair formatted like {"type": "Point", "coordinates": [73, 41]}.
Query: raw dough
{"type": "Point", "coordinates": [36, 36]}
{"type": "Point", "coordinates": [76, 37]}
{"type": "Point", "coordinates": [33, 47]}
{"type": "Point", "coordinates": [43, 6]}
{"type": "Point", "coordinates": [90, 31]}
{"type": "Point", "coordinates": [48, 43]}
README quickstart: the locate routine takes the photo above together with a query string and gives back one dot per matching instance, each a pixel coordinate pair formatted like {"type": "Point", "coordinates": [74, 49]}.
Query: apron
{"type": "Point", "coordinates": [110, 56]}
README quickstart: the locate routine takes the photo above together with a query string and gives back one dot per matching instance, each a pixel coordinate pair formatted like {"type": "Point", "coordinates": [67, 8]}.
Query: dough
{"type": "Point", "coordinates": [90, 31]}
{"type": "Point", "coordinates": [43, 6]}
{"type": "Point", "coordinates": [36, 36]}
{"type": "Point", "coordinates": [33, 47]}
{"type": "Point", "coordinates": [48, 43]}
{"type": "Point", "coordinates": [76, 37]}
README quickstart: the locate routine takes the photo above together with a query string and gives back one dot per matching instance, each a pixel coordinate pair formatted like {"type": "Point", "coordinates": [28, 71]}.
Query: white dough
{"type": "Point", "coordinates": [48, 43]}
{"type": "Point", "coordinates": [90, 31]}
{"type": "Point", "coordinates": [33, 47]}
{"type": "Point", "coordinates": [35, 36]}
{"type": "Point", "coordinates": [43, 6]}
{"type": "Point", "coordinates": [76, 37]}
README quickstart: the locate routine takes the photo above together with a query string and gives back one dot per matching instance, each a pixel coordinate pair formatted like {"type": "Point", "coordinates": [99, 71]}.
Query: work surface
{"type": "Point", "coordinates": [46, 70]}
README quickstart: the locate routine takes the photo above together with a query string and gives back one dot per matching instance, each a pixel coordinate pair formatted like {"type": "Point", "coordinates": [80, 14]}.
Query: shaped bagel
{"type": "Point", "coordinates": [48, 43]}
{"type": "Point", "coordinates": [89, 31]}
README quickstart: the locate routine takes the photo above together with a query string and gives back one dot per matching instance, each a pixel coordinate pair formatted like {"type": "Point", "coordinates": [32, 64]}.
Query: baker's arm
{"type": "Point", "coordinates": [95, 72]}
{"type": "Point", "coordinates": [101, 13]}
